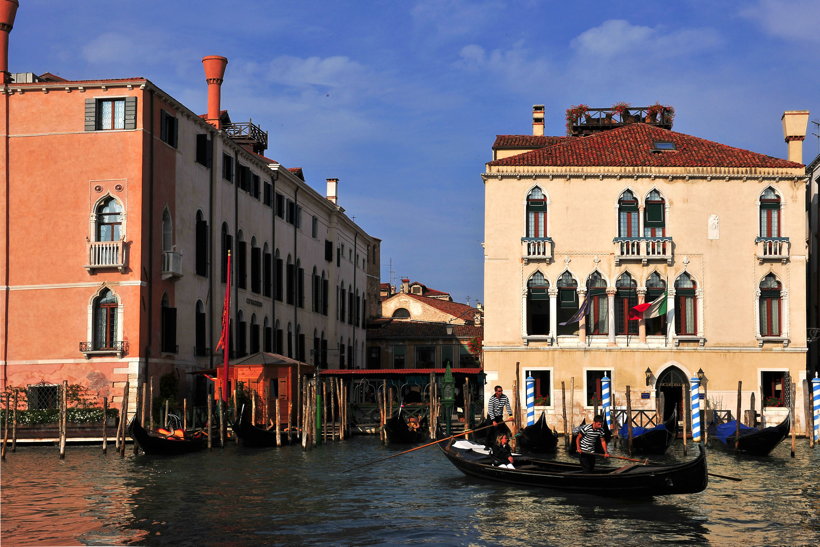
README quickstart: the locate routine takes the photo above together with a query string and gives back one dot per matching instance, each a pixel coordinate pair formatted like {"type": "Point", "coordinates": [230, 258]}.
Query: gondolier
{"type": "Point", "coordinates": [496, 405]}
{"type": "Point", "coordinates": [586, 442]}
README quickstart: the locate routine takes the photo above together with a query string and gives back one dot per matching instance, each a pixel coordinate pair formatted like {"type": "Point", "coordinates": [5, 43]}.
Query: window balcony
{"type": "Point", "coordinates": [106, 254]}
{"type": "Point", "coordinates": [773, 248]}
{"type": "Point", "coordinates": [91, 349]}
{"type": "Point", "coordinates": [643, 249]}
{"type": "Point", "coordinates": [537, 248]}
{"type": "Point", "coordinates": [171, 264]}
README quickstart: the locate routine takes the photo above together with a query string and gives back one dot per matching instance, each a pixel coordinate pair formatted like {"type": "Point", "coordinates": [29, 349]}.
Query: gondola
{"type": "Point", "coordinates": [632, 480]}
{"type": "Point", "coordinates": [652, 440]}
{"type": "Point", "coordinates": [486, 434]}
{"type": "Point", "coordinates": [538, 437]}
{"type": "Point", "coordinates": [753, 441]}
{"type": "Point", "coordinates": [256, 437]}
{"type": "Point", "coordinates": [153, 443]}
{"type": "Point", "coordinates": [399, 432]}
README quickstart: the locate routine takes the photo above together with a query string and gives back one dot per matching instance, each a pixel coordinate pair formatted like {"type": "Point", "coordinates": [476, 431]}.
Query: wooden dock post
{"type": "Point", "coordinates": [150, 403]}
{"type": "Point", "coordinates": [572, 401]}
{"type": "Point", "coordinates": [737, 416]}
{"type": "Point", "coordinates": [564, 412]}
{"type": "Point", "coordinates": [806, 408]}
{"type": "Point", "coordinates": [185, 414]}
{"type": "Point", "coordinates": [276, 422]}
{"type": "Point", "coordinates": [124, 414]}
{"type": "Point", "coordinates": [685, 408]}
{"type": "Point", "coordinates": [292, 435]}
{"type": "Point", "coordinates": [138, 411]}
{"type": "Point", "coordinates": [324, 412]}
{"type": "Point", "coordinates": [105, 426]}
{"type": "Point", "coordinates": [165, 416]}
{"type": "Point", "coordinates": [628, 420]}
{"type": "Point", "coordinates": [792, 415]}
{"type": "Point", "coordinates": [252, 393]}
{"type": "Point", "coordinates": [751, 415]}
{"type": "Point", "coordinates": [145, 402]}
{"type": "Point", "coordinates": [63, 417]}
{"type": "Point", "coordinates": [209, 422]}
{"type": "Point", "coordinates": [220, 410]}
{"type": "Point", "coordinates": [14, 422]}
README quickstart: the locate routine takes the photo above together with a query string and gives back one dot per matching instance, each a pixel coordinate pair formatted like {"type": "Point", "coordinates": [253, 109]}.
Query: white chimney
{"type": "Point", "coordinates": [333, 190]}
{"type": "Point", "coordinates": [795, 123]}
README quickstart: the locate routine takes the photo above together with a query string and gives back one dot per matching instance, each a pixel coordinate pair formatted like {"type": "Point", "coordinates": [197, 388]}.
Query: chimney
{"type": "Point", "coordinates": [8, 9]}
{"type": "Point", "coordinates": [538, 120]}
{"type": "Point", "coordinates": [214, 72]}
{"type": "Point", "coordinates": [405, 285]}
{"type": "Point", "coordinates": [795, 123]}
{"type": "Point", "coordinates": [333, 190]}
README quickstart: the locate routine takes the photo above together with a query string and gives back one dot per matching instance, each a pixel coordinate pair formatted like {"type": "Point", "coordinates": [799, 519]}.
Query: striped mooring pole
{"type": "Point", "coordinates": [606, 400]}
{"type": "Point", "coordinates": [530, 400]}
{"type": "Point", "coordinates": [695, 409]}
{"type": "Point", "coordinates": [815, 396]}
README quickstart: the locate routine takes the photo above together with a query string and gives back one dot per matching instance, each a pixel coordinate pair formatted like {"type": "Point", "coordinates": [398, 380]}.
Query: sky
{"type": "Point", "coordinates": [402, 100]}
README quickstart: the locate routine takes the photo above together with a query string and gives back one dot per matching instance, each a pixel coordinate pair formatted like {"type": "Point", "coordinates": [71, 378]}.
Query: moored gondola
{"type": "Point", "coordinates": [256, 437]}
{"type": "Point", "coordinates": [652, 440]}
{"type": "Point", "coordinates": [537, 438]}
{"type": "Point", "coordinates": [627, 481]}
{"type": "Point", "coordinates": [400, 431]}
{"type": "Point", "coordinates": [753, 441]}
{"type": "Point", "coordinates": [154, 443]}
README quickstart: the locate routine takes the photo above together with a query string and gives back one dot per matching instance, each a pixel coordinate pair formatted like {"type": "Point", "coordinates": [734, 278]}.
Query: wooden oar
{"type": "Point", "coordinates": [646, 461]}
{"type": "Point", "coordinates": [736, 479]}
{"type": "Point", "coordinates": [423, 446]}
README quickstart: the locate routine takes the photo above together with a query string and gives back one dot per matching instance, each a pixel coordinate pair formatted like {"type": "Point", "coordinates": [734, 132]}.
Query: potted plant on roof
{"type": "Point", "coordinates": [621, 109]}
{"type": "Point", "coordinates": [574, 114]}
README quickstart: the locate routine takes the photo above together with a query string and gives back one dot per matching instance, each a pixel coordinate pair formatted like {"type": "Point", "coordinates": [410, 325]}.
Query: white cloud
{"type": "Point", "coordinates": [619, 38]}
{"type": "Point", "coordinates": [453, 18]}
{"type": "Point", "coordinates": [515, 67]}
{"type": "Point", "coordinates": [789, 19]}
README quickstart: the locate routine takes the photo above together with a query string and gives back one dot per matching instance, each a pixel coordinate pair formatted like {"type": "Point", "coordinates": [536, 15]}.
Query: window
{"type": "Point", "coordinates": [325, 290]}
{"type": "Point", "coordinates": [567, 304]}
{"type": "Point", "coordinates": [110, 114]}
{"type": "Point", "coordinates": [465, 358]}
{"type": "Point", "coordinates": [655, 288]}
{"type": "Point", "coordinates": [654, 215]}
{"type": "Point", "coordinates": [43, 396]}
{"type": "Point", "coordinates": [343, 303]}
{"type": "Point", "coordinates": [203, 150]}
{"type": "Point", "coordinates": [168, 127]}
{"type": "Point", "coordinates": [328, 251]}
{"type": "Point", "coordinates": [769, 213]}
{"type": "Point", "coordinates": [201, 245]}
{"type": "Point", "coordinates": [598, 322]}
{"type": "Point", "coordinates": [278, 346]}
{"type": "Point", "coordinates": [167, 231]}
{"type": "Point", "coordinates": [297, 219]}
{"type": "Point", "coordinates": [290, 212]}
{"type": "Point", "coordinates": [373, 357]}
{"type": "Point", "coordinates": [626, 297]}
{"type": "Point", "coordinates": [538, 305]}
{"type": "Point", "coordinates": [254, 335]}
{"type": "Point", "coordinates": [241, 260]}
{"type": "Point", "coordinates": [300, 344]}
{"type": "Point", "coordinates": [241, 334]}
{"type": "Point", "coordinates": [593, 378]}
{"type": "Point", "coordinates": [628, 215]}
{"type": "Point", "coordinates": [280, 205]}
{"type": "Point", "coordinates": [425, 356]}
{"type": "Point", "coordinates": [314, 227]}
{"type": "Point", "coordinates": [267, 273]}
{"type": "Point", "coordinates": [227, 246]}
{"type": "Point", "coordinates": [300, 285]}
{"type": "Point", "coordinates": [323, 350]}
{"type": "Point", "coordinates": [279, 289]}
{"type": "Point", "coordinates": [255, 186]}
{"type": "Point", "coordinates": [199, 329]}
{"type": "Point", "coordinates": [543, 386]}
{"type": "Point", "coordinates": [267, 196]}
{"type": "Point", "coordinates": [686, 323]}
{"type": "Point", "coordinates": [267, 346]}
{"type": "Point", "coordinates": [315, 291]}
{"type": "Point", "coordinates": [770, 306]}
{"type": "Point", "coordinates": [109, 220]}
{"type": "Point", "coordinates": [663, 146]}
{"type": "Point", "coordinates": [290, 275]}
{"type": "Point", "coordinates": [773, 385]}
{"type": "Point", "coordinates": [536, 213]}
{"type": "Point", "coordinates": [341, 353]}
{"type": "Point", "coordinates": [256, 267]}
{"type": "Point", "coordinates": [168, 327]}
{"type": "Point", "coordinates": [227, 167]}
{"type": "Point", "coordinates": [399, 355]}
{"type": "Point", "coordinates": [105, 321]}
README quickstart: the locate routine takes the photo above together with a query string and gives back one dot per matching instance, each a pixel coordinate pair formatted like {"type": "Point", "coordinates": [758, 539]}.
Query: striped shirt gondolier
{"type": "Point", "coordinates": [496, 406]}
{"type": "Point", "coordinates": [589, 437]}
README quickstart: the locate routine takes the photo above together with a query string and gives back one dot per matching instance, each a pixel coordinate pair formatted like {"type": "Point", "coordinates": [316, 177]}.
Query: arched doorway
{"type": "Point", "coordinates": [669, 383]}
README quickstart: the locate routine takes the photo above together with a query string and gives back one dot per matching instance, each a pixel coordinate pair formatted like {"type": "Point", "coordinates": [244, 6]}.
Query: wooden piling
{"type": "Point", "coordinates": [5, 427]}
{"type": "Point", "coordinates": [751, 414]}
{"type": "Point", "coordinates": [572, 401]}
{"type": "Point", "coordinates": [63, 420]}
{"type": "Point", "coordinates": [468, 407]}
{"type": "Point", "coordinates": [324, 412]}
{"type": "Point", "coordinates": [685, 408]}
{"type": "Point", "coordinates": [14, 422]}
{"type": "Point", "coordinates": [660, 405]}
{"type": "Point", "coordinates": [564, 412]}
{"type": "Point", "coordinates": [303, 416]}
{"type": "Point", "coordinates": [792, 416]}
{"type": "Point", "coordinates": [276, 422]}
{"type": "Point", "coordinates": [220, 410]}
{"type": "Point", "coordinates": [292, 435]}
{"type": "Point", "coordinates": [333, 401]}
{"type": "Point", "coordinates": [185, 414]}
{"type": "Point", "coordinates": [737, 416]}
{"type": "Point", "coordinates": [105, 426]}
{"type": "Point", "coordinates": [124, 413]}
{"type": "Point", "coordinates": [209, 421]}
{"type": "Point", "coordinates": [151, 403]}
{"type": "Point", "coordinates": [628, 421]}
{"type": "Point", "coordinates": [138, 412]}
{"type": "Point", "coordinates": [145, 403]}
{"type": "Point", "coordinates": [252, 393]}
{"type": "Point", "coordinates": [808, 412]}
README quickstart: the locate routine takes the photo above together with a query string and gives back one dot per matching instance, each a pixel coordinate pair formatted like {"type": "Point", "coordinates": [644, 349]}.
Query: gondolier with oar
{"type": "Point", "coordinates": [495, 410]}
{"type": "Point", "coordinates": [586, 442]}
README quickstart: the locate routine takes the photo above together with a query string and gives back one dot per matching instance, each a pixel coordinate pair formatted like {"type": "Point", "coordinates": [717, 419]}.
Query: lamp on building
{"type": "Point", "coordinates": [449, 329]}
{"type": "Point", "coordinates": [648, 373]}
{"type": "Point", "coordinates": [702, 377]}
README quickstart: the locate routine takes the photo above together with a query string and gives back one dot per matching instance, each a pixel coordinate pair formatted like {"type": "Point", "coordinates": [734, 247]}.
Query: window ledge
{"type": "Point", "coordinates": [772, 340]}
{"type": "Point", "coordinates": [118, 348]}
{"type": "Point", "coordinates": [686, 338]}
{"type": "Point", "coordinates": [538, 338]}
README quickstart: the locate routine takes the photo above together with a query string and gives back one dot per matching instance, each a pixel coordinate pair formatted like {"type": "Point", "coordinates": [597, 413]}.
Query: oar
{"type": "Point", "coordinates": [724, 477]}
{"type": "Point", "coordinates": [645, 462]}
{"type": "Point", "coordinates": [423, 446]}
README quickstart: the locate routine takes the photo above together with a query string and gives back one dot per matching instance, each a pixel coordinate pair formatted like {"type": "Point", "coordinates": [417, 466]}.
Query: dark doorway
{"type": "Point", "coordinates": [669, 383]}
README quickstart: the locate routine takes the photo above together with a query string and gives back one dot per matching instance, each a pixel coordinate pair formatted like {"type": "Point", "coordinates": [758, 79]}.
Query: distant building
{"type": "Point", "coordinates": [813, 307]}
{"type": "Point", "coordinates": [386, 290]}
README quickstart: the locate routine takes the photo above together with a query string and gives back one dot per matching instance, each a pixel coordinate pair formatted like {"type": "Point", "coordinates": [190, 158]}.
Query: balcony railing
{"type": "Point", "coordinates": [536, 248]}
{"type": "Point", "coordinates": [90, 349]}
{"type": "Point", "coordinates": [106, 254]}
{"type": "Point", "coordinates": [643, 249]}
{"type": "Point", "coordinates": [171, 264]}
{"type": "Point", "coordinates": [773, 248]}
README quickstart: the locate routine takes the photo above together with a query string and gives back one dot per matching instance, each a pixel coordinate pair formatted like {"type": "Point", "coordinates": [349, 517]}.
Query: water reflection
{"type": "Point", "coordinates": [273, 496]}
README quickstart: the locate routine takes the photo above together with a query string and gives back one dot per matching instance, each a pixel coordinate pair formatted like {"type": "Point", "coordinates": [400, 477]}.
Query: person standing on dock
{"type": "Point", "coordinates": [587, 440]}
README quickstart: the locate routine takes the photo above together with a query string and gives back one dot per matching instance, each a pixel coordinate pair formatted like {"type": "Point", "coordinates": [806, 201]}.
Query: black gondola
{"type": "Point", "coordinates": [652, 440]}
{"type": "Point", "coordinates": [256, 437]}
{"type": "Point", "coordinates": [156, 444]}
{"type": "Point", "coordinates": [628, 481]}
{"type": "Point", "coordinates": [753, 441]}
{"type": "Point", "coordinates": [486, 434]}
{"type": "Point", "coordinates": [538, 437]}
{"type": "Point", "coordinates": [399, 432]}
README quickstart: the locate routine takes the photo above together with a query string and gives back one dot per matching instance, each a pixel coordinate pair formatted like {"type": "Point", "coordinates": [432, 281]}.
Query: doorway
{"type": "Point", "coordinates": [669, 383]}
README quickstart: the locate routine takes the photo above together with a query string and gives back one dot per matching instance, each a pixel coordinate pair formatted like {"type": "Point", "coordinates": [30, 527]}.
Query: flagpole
{"type": "Point", "coordinates": [226, 332]}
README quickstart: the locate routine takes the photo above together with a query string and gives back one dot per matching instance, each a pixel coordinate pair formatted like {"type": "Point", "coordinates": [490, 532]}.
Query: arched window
{"type": "Point", "coordinates": [315, 291]}
{"type": "Point", "coordinates": [342, 294]}
{"type": "Point", "coordinates": [201, 245]}
{"type": "Point", "coordinates": [769, 213]}
{"type": "Point", "coordinates": [241, 261]}
{"type": "Point", "coordinates": [686, 319]}
{"type": "Point", "coordinates": [538, 305]}
{"type": "Point", "coordinates": [290, 281]}
{"type": "Point", "coordinates": [241, 335]}
{"type": "Point", "coordinates": [628, 215]}
{"type": "Point", "coordinates": [109, 220]}
{"type": "Point", "coordinates": [256, 267]}
{"type": "Point", "coordinates": [290, 340]}
{"type": "Point", "coordinates": [325, 289]}
{"type": "Point", "coordinates": [105, 321]}
{"type": "Point", "coordinates": [626, 297]}
{"type": "Point", "coordinates": [278, 277]}
{"type": "Point", "coordinates": [300, 284]}
{"type": "Point", "coordinates": [227, 245]}
{"type": "Point", "coordinates": [167, 231]}
{"type": "Point", "coordinates": [598, 322]}
{"type": "Point", "coordinates": [536, 213]}
{"type": "Point", "coordinates": [254, 335]}
{"type": "Point", "coordinates": [654, 215]}
{"type": "Point", "coordinates": [168, 326]}
{"type": "Point", "coordinates": [267, 272]}
{"type": "Point", "coordinates": [300, 343]}
{"type": "Point", "coordinates": [401, 313]}
{"type": "Point", "coordinates": [199, 329]}
{"type": "Point", "coordinates": [267, 345]}
{"type": "Point", "coordinates": [770, 323]}
{"type": "Point", "coordinates": [315, 355]}
{"type": "Point", "coordinates": [341, 353]}
{"type": "Point", "coordinates": [278, 341]}
{"type": "Point", "coordinates": [351, 305]}
{"type": "Point", "coordinates": [323, 350]}
{"type": "Point", "coordinates": [655, 288]}
{"type": "Point", "coordinates": [567, 304]}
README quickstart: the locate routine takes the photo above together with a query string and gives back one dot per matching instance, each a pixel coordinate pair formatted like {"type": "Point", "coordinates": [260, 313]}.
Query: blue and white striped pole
{"type": "Point", "coordinates": [815, 396]}
{"type": "Point", "coordinates": [530, 400]}
{"type": "Point", "coordinates": [606, 400]}
{"type": "Point", "coordinates": [695, 409]}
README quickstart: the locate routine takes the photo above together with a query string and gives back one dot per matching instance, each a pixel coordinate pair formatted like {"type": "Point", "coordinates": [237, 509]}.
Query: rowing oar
{"type": "Point", "coordinates": [646, 461]}
{"type": "Point", "coordinates": [424, 446]}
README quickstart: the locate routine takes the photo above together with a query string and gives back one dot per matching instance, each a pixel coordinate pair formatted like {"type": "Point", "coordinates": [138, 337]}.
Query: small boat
{"type": "Point", "coordinates": [256, 437]}
{"type": "Point", "coordinates": [538, 437]}
{"type": "Point", "coordinates": [631, 480]}
{"type": "Point", "coordinates": [399, 430]}
{"type": "Point", "coordinates": [155, 443]}
{"type": "Point", "coordinates": [753, 441]}
{"type": "Point", "coordinates": [651, 440]}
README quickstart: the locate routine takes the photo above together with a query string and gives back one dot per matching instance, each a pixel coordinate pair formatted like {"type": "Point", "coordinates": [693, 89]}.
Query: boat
{"type": "Point", "coordinates": [486, 433]}
{"type": "Point", "coordinates": [399, 431]}
{"type": "Point", "coordinates": [651, 440]}
{"type": "Point", "coordinates": [633, 480]}
{"type": "Point", "coordinates": [256, 437]}
{"type": "Point", "coordinates": [753, 441]}
{"type": "Point", "coordinates": [155, 443]}
{"type": "Point", "coordinates": [538, 437]}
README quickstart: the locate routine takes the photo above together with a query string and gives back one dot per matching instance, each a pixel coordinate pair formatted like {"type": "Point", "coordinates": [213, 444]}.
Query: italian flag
{"type": "Point", "coordinates": [648, 310]}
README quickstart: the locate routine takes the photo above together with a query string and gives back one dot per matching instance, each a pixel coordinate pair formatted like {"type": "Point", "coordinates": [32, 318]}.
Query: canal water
{"type": "Point", "coordinates": [236, 496]}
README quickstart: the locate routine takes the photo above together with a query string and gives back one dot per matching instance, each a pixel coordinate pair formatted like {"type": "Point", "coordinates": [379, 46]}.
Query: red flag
{"type": "Point", "coordinates": [636, 312]}
{"type": "Point", "coordinates": [224, 339]}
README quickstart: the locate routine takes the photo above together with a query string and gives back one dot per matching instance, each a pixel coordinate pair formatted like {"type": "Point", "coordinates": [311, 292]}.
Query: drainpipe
{"type": "Point", "coordinates": [235, 250]}
{"type": "Point", "coordinates": [296, 331]}
{"type": "Point", "coordinates": [209, 258]}
{"type": "Point", "coordinates": [274, 178]}
{"type": "Point", "coordinates": [355, 288]}
{"type": "Point", "coordinates": [150, 337]}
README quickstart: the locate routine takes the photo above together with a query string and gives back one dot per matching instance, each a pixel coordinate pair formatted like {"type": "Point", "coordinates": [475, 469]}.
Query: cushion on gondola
{"type": "Point", "coordinates": [724, 431]}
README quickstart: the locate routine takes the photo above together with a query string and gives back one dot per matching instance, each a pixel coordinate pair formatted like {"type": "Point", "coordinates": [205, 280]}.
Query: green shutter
{"type": "Point", "coordinates": [130, 113]}
{"type": "Point", "coordinates": [653, 217]}
{"type": "Point", "coordinates": [90, 114]}
{"type": "Point", "coordinates": [539, 294]}
{"type": "Point", "coordinates": [537, 206]}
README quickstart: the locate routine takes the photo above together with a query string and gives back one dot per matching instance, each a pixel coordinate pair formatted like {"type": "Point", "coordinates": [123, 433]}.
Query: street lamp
{"type": "Point", "coordinates": [648, 376]}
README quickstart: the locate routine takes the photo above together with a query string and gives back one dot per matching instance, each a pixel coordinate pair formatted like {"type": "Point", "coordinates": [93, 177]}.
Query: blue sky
{"type": "Point", "coordinates": [401, 100]}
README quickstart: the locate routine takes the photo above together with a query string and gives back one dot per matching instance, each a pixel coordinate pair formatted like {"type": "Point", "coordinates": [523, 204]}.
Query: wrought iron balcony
{"type": "Point", "coordinates": [106, 254]}
{"type": "Point", "coordinates": [171, 264]}
{"type": "Point", "coordinates": [537, 248]}
{"type": "Point", "coordinates": [249, 134]}
{"type": "Point", "coordinates": [582, 120]}
{"type": "Point", "coordinates": [643, 249]}
{"type": "Point", "coordinates": [773, 248]}
{"type": "Point", "coordinates": [90, 349]}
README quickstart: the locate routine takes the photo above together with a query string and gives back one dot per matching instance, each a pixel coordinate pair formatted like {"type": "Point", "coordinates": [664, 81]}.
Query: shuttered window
{"type": "Point", "coordinates": [111, 114]}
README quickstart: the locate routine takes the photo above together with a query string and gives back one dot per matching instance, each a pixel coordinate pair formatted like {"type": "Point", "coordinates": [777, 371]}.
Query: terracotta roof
{"type": "Point", "coordinates": [632, 145]}
{"type": "Point", "coordinates": [461, 311]}
{"type": "Point", "coordinates": [527, 141]}
{"type": "Point", "coordinates": [98, 80]}
{"type": "Point", "coordinates": [297, 171]}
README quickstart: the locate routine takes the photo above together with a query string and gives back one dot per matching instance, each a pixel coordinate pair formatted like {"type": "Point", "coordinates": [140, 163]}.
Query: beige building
{"type": "Point", "coordinates": [623, 211]}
